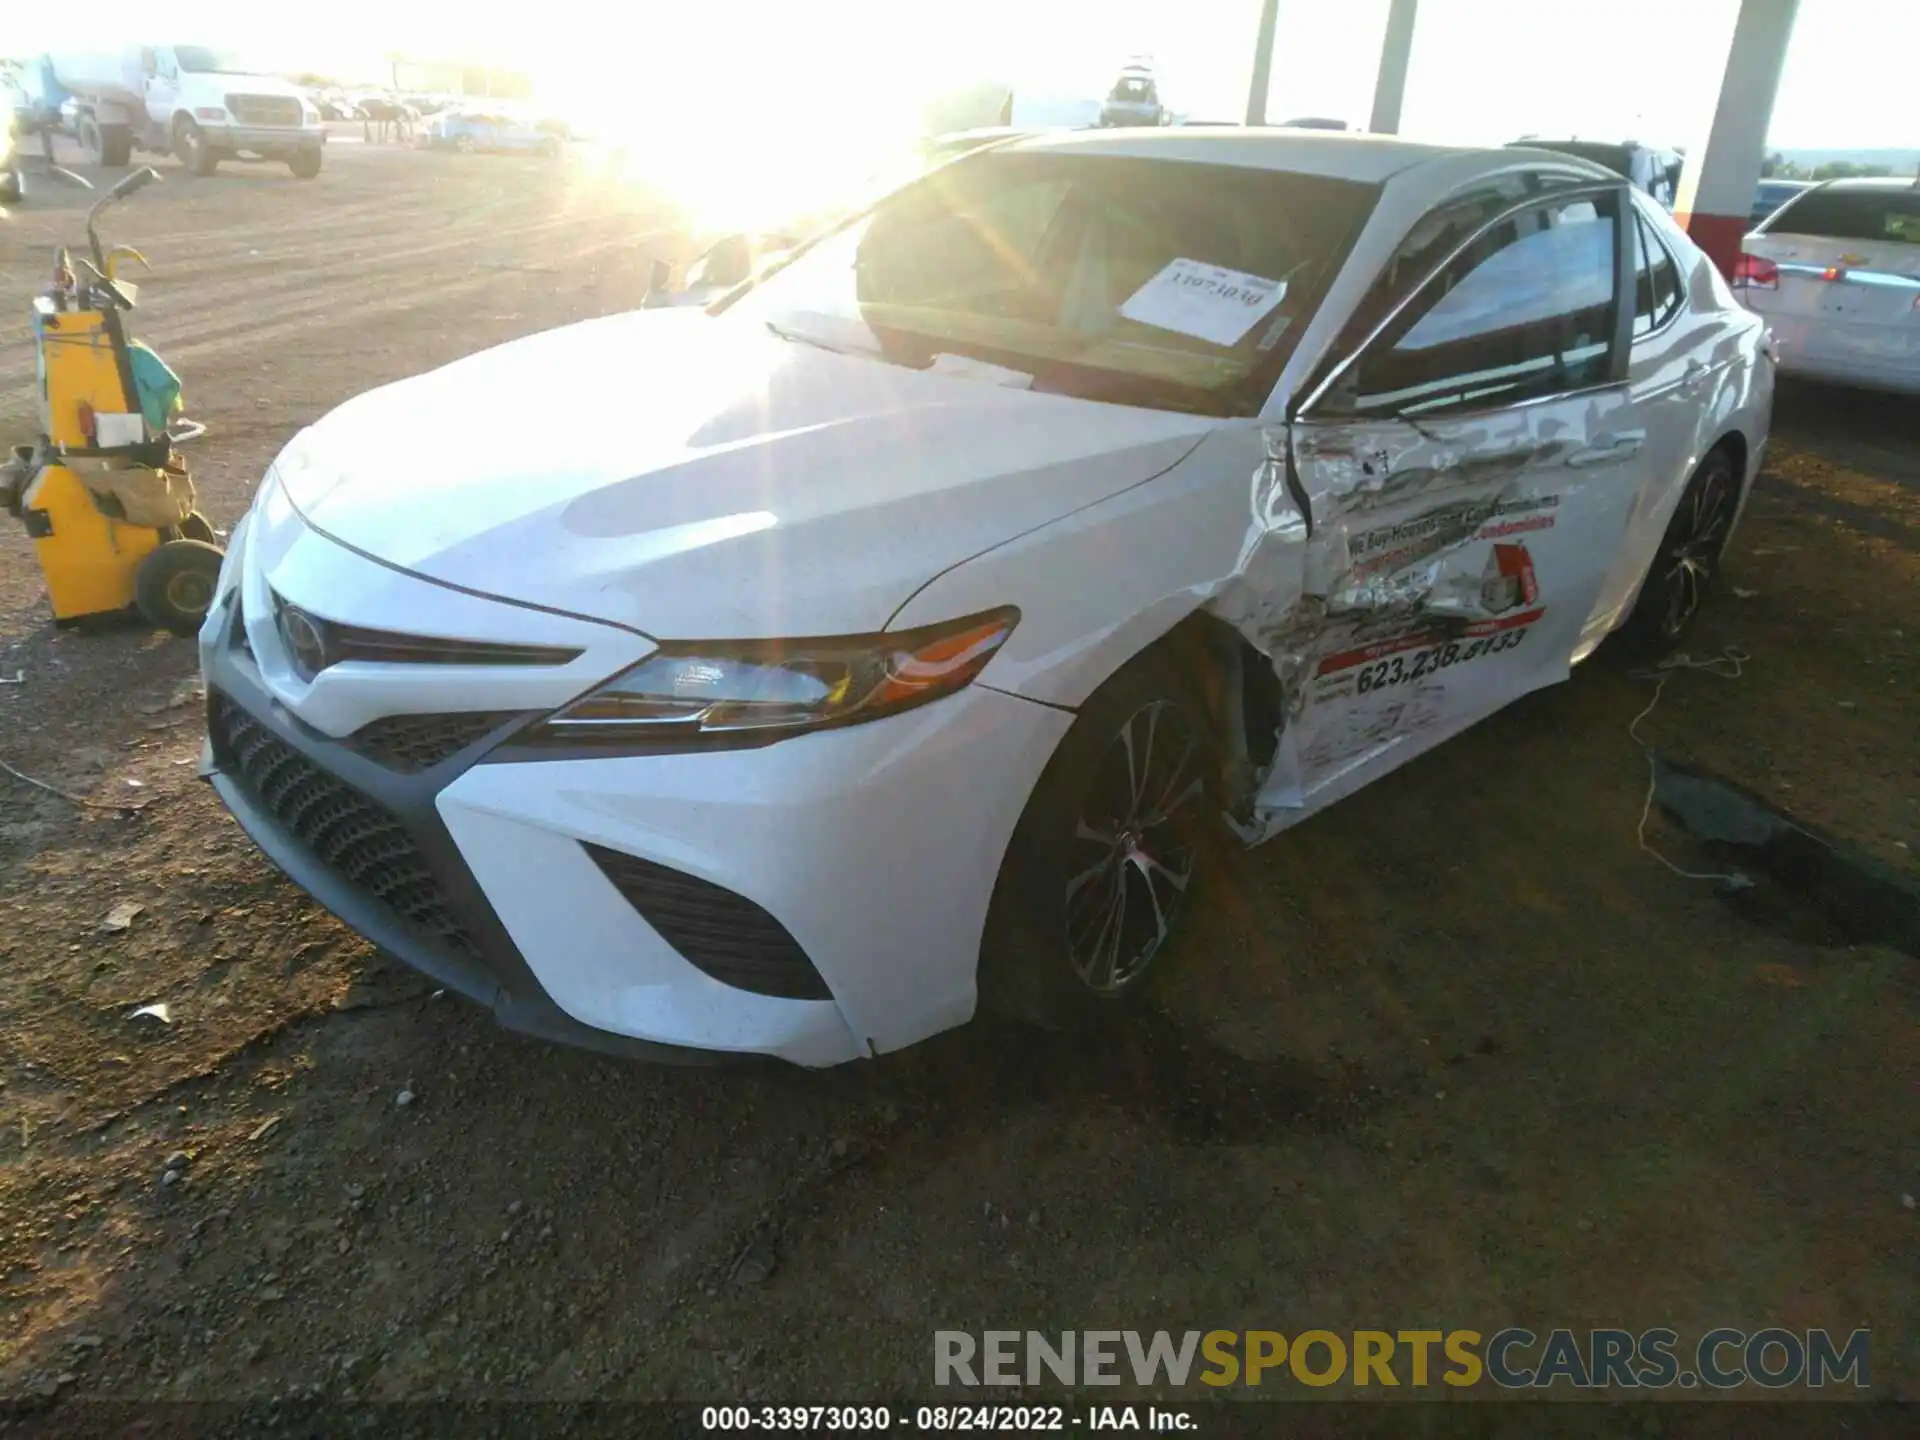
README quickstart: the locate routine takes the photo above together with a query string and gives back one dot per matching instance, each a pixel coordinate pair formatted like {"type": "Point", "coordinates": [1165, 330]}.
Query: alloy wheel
{"type": "Point", "coordinates": [1693, 547]}
{"type": "Point", "coordinates": [1134, 846]}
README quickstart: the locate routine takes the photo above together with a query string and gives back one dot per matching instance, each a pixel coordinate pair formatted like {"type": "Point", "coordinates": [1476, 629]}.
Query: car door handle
{"type": "Point", "coordinates": [1606, 449]}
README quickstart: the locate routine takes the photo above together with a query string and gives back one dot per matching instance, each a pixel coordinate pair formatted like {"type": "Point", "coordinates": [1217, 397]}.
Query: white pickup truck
{"type": "Point", "coordinates": [202, 104]}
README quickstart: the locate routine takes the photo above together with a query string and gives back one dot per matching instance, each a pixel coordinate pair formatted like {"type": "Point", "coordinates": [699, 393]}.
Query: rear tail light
{"type": "Point", "coordinates": [1751, 272]}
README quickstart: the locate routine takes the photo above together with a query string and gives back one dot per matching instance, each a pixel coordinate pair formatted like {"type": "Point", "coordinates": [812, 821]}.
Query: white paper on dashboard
{"type": "Point", "coordinates": [1208, 302]}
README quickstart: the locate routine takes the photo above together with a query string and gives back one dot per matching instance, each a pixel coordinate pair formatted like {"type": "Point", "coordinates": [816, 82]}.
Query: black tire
{"type": "Point", "coordinates": [197, 527]}
{"type": "Point", "coordinates": [1683, 569]}
{"type": "Point", "coordinates": [305, 164]}
{"type": "Point", "coordinates": [190, 144]}
{"type": "Point", "coordinates": [1104, 863]}
{"type": "Point", "coordinates": [13, 188]}
{"type": "Point", "coordinates": [116, 144]}
{"type": "Point", "coordinates": [174, 585]}
{"type": "Point", "coordinates": [91, 145]}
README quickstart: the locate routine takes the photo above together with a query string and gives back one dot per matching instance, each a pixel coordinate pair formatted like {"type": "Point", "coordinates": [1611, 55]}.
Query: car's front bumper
{"type": "Point", "coordinates": [876, 847]}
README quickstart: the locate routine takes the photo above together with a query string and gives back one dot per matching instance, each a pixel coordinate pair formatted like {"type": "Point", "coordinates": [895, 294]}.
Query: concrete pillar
{"type": "Point", "coordinates": [1262, 63]}
{"type": "Point", "coordinates": [1723, 166]}
{"type": "Point", "coordinates": [1390, 87]}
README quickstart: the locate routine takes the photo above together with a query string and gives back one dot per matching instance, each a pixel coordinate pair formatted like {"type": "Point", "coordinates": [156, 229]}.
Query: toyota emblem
{"type": "Point", "coordinates": [305, 641]}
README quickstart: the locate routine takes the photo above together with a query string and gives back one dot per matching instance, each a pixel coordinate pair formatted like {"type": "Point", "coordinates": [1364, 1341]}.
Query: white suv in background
{"type": "Point", "coordinates": [1836, 272]}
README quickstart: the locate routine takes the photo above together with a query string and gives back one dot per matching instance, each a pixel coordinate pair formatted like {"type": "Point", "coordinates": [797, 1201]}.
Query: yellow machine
{"type": "Point", "coordinates": [104, 492]}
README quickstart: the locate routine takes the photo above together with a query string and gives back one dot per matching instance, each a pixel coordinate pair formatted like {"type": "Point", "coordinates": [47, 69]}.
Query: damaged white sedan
{"type": "Point", "coordinates": [785, 677]}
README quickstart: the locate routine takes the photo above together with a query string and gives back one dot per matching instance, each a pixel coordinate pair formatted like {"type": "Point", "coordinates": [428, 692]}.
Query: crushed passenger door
{"type": "Point", "coordinates": [1469, 473]}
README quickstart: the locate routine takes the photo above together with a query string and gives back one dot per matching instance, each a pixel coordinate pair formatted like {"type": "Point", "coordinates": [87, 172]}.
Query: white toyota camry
{"type": "Point", "coordinates": [785, 677]}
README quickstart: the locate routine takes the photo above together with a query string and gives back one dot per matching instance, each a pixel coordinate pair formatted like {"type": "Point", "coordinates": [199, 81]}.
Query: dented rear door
{"type": "Point", "coordinates": [1468, 470]}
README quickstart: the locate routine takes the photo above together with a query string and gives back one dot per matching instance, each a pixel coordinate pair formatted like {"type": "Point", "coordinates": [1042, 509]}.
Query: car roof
{"type": "Point", "coordinates": [1367, 158]}
{"type": "Point", "coordinates": [1871, 182]}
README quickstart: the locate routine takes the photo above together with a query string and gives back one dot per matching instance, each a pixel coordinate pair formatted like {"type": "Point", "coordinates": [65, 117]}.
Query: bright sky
{"type": "Point", "coordinates": [796, 96]}
{"type": "Point", "coordinates": [1482, 70]}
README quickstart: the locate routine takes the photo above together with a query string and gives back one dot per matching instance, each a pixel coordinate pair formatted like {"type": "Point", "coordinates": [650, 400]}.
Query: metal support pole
{"type": "Point", "coordinates": [1262, 63]}
{"type": "Point", "coordinates": [1723, 166]}
{"type": "Point", "coordinates": [1390, 87]}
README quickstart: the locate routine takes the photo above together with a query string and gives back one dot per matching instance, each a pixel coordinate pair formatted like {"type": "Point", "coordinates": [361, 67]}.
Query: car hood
{"type": "Point", "coordinates": [693, 477]}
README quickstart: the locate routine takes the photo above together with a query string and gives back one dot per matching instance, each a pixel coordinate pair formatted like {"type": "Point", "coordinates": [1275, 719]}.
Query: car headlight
{"type": "Point", "coordinates": [735, 693]}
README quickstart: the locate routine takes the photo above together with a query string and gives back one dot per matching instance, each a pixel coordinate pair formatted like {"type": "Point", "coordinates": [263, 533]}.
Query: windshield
{"type": "Point", "coordinates": [203, 61]}
{"type": "Point", "coordinates": [1147, 282]}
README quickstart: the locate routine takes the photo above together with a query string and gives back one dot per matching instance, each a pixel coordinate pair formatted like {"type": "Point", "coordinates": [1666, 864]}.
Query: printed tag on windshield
{"type": "Point", "coordinates": [1204, 301]}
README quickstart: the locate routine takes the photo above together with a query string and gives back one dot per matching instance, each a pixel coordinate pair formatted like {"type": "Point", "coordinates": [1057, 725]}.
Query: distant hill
{"type": "Point", "coordinates": [1897, 161]}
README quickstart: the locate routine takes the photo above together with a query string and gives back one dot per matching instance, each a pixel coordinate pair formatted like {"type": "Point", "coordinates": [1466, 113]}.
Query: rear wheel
{"type": "Point", "coordinates": [174, 584]}
{"type": "Point", "coordinates": [1102, 868]}
{"type": "Point", "coordinates": [116, 144]}
{"type": "Point", "coordinates": [1687, 561]}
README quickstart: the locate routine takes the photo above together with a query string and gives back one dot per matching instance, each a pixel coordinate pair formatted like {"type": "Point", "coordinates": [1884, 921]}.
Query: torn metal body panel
{"type": "Point", "coordinates": [1450, 568]}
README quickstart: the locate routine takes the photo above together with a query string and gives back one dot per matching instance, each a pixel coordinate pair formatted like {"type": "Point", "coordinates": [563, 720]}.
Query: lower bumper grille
{"type": "Point", "coordinates": [720, 933]}
{"type": "Point", "coordinates": [412, 743]}
{"type": "Point", "coordinates": [362, 842]}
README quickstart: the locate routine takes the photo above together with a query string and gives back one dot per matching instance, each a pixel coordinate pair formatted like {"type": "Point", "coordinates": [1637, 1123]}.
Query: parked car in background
{"type": "Point", "coordinates": [1770, 195]}
{"type": "Point", "coordinates": [1836, 273]}
{"type": "Point", "coordinates": [1653, 170]}
{"type": "Point", "coordinates": [962, 582]}
{"type": "Point", "coordinates": [1134, 99]}
{"type": "Point", "coordinates": [470, 131]}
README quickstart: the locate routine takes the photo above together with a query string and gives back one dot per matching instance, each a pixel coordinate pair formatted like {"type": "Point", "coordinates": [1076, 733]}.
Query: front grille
{"type": "Point", "coordinates": [363, 843]}
{"type": "Point", "coordinates": [264, 109]}
{"type": "Point", "coordinates": [723, 934]}
{"type": "Point", "coordinates": [313, 643]}
{"type": "Point", "coordinates": [412, 743]}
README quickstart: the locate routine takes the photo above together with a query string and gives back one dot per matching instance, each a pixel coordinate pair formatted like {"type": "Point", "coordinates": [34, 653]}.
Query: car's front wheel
{"type": "Point", "coordinates": [1103, 866]}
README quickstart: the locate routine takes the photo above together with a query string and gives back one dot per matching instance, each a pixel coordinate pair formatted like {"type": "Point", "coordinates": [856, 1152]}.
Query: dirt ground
{"type": "Point", "coordinates": [1457, 1054]}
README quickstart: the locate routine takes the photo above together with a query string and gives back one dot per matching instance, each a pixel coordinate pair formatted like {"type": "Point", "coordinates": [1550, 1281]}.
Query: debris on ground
{"type": "Point", "coordinates": [121, 916]}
